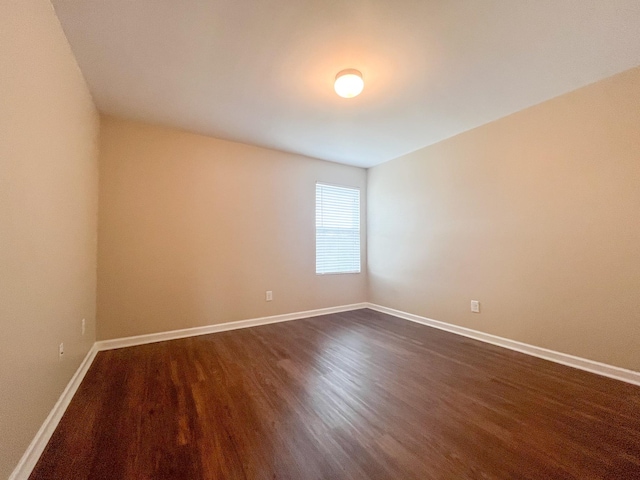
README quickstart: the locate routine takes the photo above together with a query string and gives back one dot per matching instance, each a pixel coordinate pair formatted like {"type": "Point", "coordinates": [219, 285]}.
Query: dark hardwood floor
{"type": "Point", "coordinates": [357, 395]}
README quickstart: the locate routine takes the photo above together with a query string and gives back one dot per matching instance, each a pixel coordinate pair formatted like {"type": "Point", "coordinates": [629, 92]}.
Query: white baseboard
{"type": "Point", "coordinates": [592, 366]}
{"type": "Point", "coordinates": [221, 327]}
{"type": "Point", "coordinates": [39, 442]}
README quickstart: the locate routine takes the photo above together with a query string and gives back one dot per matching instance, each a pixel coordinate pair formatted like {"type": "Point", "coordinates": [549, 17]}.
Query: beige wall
{"type": "Point", "coordinates": [536, 215]}
{"type": "Point", "coordinates": [193, 231]}
{"type": "Point", "coordinates": [48, 220]}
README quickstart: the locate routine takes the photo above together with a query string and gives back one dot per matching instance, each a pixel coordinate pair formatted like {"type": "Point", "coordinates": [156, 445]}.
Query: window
{"type": "Point", "coordinates": [337, 229]}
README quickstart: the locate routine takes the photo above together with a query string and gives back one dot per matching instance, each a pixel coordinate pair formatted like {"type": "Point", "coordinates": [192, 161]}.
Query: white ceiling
{"type": "Point", "coordinates": [262, 71]}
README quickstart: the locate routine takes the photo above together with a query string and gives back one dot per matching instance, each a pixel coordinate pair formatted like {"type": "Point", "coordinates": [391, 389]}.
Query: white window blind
{"type": "Point", "coordinates": [337, 229]}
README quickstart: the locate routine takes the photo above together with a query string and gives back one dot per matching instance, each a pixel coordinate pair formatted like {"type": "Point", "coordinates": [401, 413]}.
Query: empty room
{"type": "Point", "coordinates": [319, 239]}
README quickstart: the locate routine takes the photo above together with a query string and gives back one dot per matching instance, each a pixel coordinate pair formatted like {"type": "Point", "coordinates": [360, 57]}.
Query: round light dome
{"type": "Point", "coordinates": [349, 83]}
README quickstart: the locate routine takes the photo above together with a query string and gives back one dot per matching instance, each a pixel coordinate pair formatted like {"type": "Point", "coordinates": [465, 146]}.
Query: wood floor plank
{"type": "Point", "coordinates": [354, 395]}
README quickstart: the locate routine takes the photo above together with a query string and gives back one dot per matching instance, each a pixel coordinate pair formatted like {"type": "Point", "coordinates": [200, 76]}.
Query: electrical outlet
{"type": "Point", "coordinates": [269, 296]}
{"type": "Point", "coordinates": [475, 306]}
{"type": "Point", "coordinates": [84, 326]}
{"type": "Point", "coordinates": [60, 351]}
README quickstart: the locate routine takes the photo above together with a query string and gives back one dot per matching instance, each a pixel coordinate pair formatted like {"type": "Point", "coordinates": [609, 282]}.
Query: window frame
{"type": "Point", "coordinates": [359, 230]}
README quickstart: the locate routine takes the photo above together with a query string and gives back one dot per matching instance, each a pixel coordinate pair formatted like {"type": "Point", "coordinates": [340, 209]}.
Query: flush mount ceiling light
{"type": "Point", "coordinates": [349, 83]}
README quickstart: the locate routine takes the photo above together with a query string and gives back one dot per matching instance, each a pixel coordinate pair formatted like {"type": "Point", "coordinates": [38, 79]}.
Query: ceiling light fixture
{"type": "Point", "coordinates": [349, 83]}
